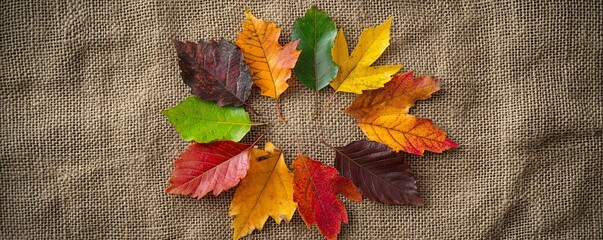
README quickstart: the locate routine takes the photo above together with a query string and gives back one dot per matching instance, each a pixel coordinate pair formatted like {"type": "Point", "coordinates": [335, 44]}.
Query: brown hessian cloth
{"type": "Point", "coordinates": [87, 154]}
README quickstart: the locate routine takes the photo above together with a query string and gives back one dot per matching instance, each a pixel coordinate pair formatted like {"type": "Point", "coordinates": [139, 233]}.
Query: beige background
{"type": "Point", "coordinates": [87, 154]}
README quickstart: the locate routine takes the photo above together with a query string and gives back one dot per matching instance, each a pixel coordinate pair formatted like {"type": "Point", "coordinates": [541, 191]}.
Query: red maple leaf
{"type": "Point", "coordinates": [316, 188]}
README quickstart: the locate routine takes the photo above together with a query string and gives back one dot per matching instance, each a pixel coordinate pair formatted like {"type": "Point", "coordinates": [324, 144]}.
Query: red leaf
{"type": "Point", "coordinates": [315, 192]}
{"type": "Point", "coordinates": [380, 174]}
{"type": "Point", "coordinates": [215, 71]}
{"type": "Point", "coordinates": [204, 167]}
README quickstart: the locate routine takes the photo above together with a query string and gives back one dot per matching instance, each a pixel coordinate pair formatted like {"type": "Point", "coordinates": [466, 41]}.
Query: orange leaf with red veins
{"type": "Point", "coordinates": [383, 115]}
{"type": "Point", "coordinates": [205, 167]}
{"type": "Point", "coordinates": [269, 62]}
{"type": "Point", "coordinates": [397, 96]}
{"type": "Point", "coordinates": [406, 132]}
{"type": "Point", "coordinates": [315, 192]}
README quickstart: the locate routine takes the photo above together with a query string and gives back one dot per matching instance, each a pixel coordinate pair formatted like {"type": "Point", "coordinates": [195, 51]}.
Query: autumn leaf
{"type": "Point", "coordinates": [398, 96]}
{"type": "Point", "coordinates": [267, 190]}
{"type": "Point", "coordinates": [316, 33]}
{"type": "Point", "coordinates": [315, 192]}
{"type": "Point", "coordinates": [269, 62]}
{"type": "Point", "coordinates": [355, 71]}
{"type": "Point", "coordinates": [214, 71]}
{"type": "Point", "coordinates": [379, 173]}
{"type": "Point", "coordinates": [383, 116]}
{"type": "Point", "coordinates": [206, 167]}
{"type": "Point", "coordinates": [406, 132]}
{"type": "Point", "coordinates": [204, 122]}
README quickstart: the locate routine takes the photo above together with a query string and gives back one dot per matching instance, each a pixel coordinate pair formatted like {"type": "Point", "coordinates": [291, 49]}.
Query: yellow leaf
{"type": "Point", "coordinates": [267, 190]}
{"type": "Point", "coordinates": [355, 71]}
{"type": "Point", "coordinates": [269, 62]}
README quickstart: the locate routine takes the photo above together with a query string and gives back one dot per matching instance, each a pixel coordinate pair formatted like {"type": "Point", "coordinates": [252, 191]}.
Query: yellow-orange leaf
{"type": "Point", "coordinates": [355, 71]}
{"type": "Point", "coordinates": [405, 132]}
{"type": "Point", "coordinates": [269, 62]}
{"type": "Point", "coordinates": [398, 96]}
{"type": "Point", "coordinates": [383, 115]}
{"type": "Point", "coordinates": [267, 190]}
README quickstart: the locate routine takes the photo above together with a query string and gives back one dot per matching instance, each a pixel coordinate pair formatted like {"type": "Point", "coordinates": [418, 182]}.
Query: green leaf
{"type": "Point", "coordinates": [316, 32]}
{"type": "Point", "coordinates": [204, 122]}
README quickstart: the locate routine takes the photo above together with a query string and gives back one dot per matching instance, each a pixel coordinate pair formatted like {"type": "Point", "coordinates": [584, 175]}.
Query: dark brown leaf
{"type": "Point", "coordinates": [379, 173]}
{"type": "Point", "coordinates": [215, 71]}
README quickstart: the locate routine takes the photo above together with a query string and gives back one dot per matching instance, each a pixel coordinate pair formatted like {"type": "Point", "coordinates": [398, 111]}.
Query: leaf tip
{"type": "Point", "coordinates": [248, 14]}
{"type": "Point", "coordinates": [388, 22]}
{"type": "Point", "coordinates": [450, 143]}
{"type": "Point", "coordinates": [419, 202]}
{"type": "Point", "coordinates": [176, 42]}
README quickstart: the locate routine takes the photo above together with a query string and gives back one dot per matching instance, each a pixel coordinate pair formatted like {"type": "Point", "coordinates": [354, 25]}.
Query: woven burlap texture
{"type": "Point", "coordinates": [86, 152]}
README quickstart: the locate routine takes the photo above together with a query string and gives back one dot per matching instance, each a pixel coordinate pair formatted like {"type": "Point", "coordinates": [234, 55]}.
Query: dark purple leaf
{"type": "Point", "coordinates": [215, 71]}
{"type": "Point", "coordinates": [379, 173]}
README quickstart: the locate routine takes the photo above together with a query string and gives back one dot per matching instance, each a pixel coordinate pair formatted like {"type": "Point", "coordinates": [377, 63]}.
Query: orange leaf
{"type": "Point", "coordinates": [397, 96]}
{"type": "Point", "coordinates": [269, 62]}
{"type": "Point", "coordinates": [406, 132]}
{"type": "Point", "coordinates": [315, 192]}
{"type": "Point", "coordinates": [383, 115]}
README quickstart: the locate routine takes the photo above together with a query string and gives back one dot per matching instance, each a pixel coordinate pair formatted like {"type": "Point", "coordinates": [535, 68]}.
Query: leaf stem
{"type": "Point", "coordinates": [258, 124]}
{"type": "Point", "coordinates": [257, 140]}
{"type": "Point", "coordinates": [317, 108]}
{"type": "Point", "coordinates": [326, 104]}
{"type": "Point", "coordinates": [252, 110]}
{"type": "Point", "coordinates": [296, 138]}
{"type": "Point", "coordinates": [278, 112]}
{"type": "Point", "coordinates": [326, 144]}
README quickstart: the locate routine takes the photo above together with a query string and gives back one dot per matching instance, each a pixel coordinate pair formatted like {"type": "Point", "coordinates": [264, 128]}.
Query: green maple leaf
{"type": "Point", "coordinates": [316, 32]}
{"type": "Point", "coordinates": [204, 122]}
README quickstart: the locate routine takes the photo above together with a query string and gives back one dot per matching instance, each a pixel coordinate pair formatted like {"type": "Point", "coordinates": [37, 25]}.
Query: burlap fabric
{"type": "Point", "coordinates": [87, 154]}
